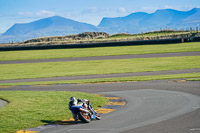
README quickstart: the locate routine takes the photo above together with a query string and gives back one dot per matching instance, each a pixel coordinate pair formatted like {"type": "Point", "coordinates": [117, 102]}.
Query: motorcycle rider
{"type": "Point", "coordinates": [76, 102]}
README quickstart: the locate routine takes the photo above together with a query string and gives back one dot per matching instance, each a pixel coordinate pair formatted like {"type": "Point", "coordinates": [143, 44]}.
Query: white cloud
{"type": "Point", "coordinates": [44, 13]}
{"type": "Point", "coordinates": [175, 7]}
{"type": "Point", "coordinates": [41, 13]}
{"type": "Point", "coordinates": [90, 10]}
{"type": "Point", "coordinates": [168, 7]}
{"type": "Point", "coordinates": [149, 9]}
{"type": "Point", "coordinates": [25, 13]}
{"type": "Point", "coordinates": [122, 10]}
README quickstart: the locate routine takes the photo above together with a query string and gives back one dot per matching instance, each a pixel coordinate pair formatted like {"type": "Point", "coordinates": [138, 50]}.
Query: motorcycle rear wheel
{"type": "Point", "coordinates": [83, 117]}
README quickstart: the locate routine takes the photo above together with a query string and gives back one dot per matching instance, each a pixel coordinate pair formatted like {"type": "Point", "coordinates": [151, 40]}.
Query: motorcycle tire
{"type": "Point", "coordinates": [98, 117]}
{"type": "Point", "coordinates": [84, 118]}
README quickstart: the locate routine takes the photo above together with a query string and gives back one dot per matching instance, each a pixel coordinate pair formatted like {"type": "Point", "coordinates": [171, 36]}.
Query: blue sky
{"type": "Point", "coordinates": [89, 11]}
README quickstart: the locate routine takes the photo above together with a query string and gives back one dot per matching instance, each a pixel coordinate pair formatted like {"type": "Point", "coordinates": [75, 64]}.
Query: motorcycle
{"type": "Point", "coordinates": [85, 112]}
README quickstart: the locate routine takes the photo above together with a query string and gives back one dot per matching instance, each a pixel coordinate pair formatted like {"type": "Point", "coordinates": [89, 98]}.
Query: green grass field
{"type": "Point", "coordinates": [103, 51]}
{"type": "Point", "coordinates": [59, 69]}
{"type": "Point", "coordinates": [31, 109]}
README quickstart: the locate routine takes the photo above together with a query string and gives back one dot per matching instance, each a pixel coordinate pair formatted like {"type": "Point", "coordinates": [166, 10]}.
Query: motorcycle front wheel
{"type": "Point", "coordinates": [98, 117]}
{"type": "Point", "coordinates": [84, 117]}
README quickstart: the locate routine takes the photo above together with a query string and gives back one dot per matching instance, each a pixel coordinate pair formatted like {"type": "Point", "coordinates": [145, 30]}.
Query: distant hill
{"type": "Point", "coordinates": [52, 26]}
{"type": "Point", "coordinates": [134, 23]}
{"type": "Point", "coordinates": [142, 22]}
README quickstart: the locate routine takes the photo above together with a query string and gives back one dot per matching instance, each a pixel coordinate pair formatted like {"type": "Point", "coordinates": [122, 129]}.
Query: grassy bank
{"type": "Point", "coordinates": [150, 34]}
{"type": "Point", "coordinates": [102, 37]}
{"type": "Point", "coordinates": [194, 76]}
{"type": "Point", "coordinates": [31, 109]}
{"type": "Point", "coordinates": [103, 51]}
{"type": "Point", "coordinates": [59, 69]}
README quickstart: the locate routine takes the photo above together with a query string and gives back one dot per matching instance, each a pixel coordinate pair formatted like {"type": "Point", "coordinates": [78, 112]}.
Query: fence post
{"type": "Point", "coordinates": [182, 40]}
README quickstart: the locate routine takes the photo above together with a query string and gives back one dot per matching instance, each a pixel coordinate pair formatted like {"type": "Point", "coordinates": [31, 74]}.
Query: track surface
{"type": "Point", "coordinates": [144, 112]}
{"type": "Point", "coordinates": [144, 107]}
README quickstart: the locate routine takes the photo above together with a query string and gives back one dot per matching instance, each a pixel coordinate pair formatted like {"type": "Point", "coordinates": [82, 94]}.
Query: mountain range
{"type": "Point", "coordinates": [142, 22]}
{"type": "Point", "coordinates": [134, 23]}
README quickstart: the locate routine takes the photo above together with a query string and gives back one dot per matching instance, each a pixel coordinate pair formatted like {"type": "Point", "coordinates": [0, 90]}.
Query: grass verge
{"type": "Point", "coordinates": [102, 51]}
{"type": "Point", "coordinates": [31, 109]}
{"type": "Point", "coordinates": [103, 80]}
{"type": "Point", "coordinates": [194, 79]}
{"type": "Point", "coordinates": [59, 69]}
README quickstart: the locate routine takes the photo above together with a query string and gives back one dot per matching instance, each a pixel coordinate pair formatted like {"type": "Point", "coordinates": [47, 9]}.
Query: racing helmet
{"type": "Point", "coordinates": [73, 101]}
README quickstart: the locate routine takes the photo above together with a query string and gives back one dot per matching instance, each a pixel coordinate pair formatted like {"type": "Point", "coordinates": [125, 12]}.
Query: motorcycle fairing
{"type": "Point", "coordinates": [74, 109]}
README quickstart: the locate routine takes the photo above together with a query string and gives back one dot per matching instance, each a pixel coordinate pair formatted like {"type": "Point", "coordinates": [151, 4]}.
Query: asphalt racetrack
{"type": "Point", "coordinates": [162, 106]}
{"type": "Point", "coordinates": [144, 107]}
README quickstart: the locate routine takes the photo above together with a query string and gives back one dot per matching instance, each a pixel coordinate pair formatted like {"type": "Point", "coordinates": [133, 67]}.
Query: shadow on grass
{"type": "Point", "coordinates": [64, 122]}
